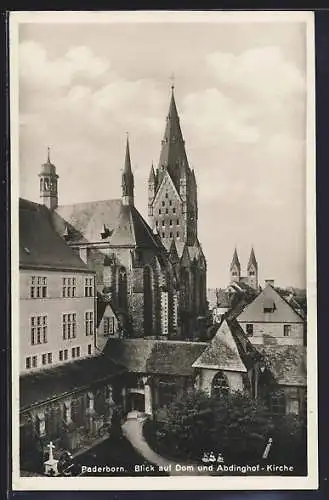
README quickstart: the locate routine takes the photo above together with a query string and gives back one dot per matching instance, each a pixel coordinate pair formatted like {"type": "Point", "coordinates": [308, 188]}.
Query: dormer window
{"type": "Point", "coordinates": [105, 233]}
{"type": "Point", "coordinates": [269, 306]}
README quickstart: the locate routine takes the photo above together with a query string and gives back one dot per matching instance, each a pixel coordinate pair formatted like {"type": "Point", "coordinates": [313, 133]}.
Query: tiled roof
{"type": "Point", "coordinates": [287, 363]}
{"type": "Point", "coordinates": [222, 353]}
{"type": "Point", "coordinates": [132, 230]}
{"type": "Point", "coordinates": [283, 312]}
{"type": "Point", "coordinates": [86, 220]}
{"type": "Point", "coordinates": [39, 244]}
{"type": "Point", "coordinates": [155, 356]}
{"type": "Point", "coordinates": [42, 386]}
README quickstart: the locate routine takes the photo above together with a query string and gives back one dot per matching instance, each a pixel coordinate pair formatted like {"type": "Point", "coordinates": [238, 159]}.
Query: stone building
{"type": "Point", "coordinates": [57, 295]}
{"type": "Point", "coordinates": [270, 319]}
{"type": "Point", "coordinates": [68, 389]}
{"type": "Point", "coordinates": [133, 268]}
{"type": "Point", "coordinates": [173, 215]}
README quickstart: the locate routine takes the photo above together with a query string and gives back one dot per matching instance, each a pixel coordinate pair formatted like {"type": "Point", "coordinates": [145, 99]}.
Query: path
{"type": "Point", "coordinates": [133, 431]}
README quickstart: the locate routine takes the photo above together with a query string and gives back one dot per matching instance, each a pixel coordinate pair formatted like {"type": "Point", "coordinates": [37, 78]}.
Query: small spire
{"type": "Point", "coordinates": [127, 165]}
{"type": "Point", "coordinates": [48, 154]}
{"type": "Point", "coordinates": [127, 178]}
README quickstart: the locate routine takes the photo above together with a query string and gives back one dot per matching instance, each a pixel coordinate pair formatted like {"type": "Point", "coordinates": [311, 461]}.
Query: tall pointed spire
{"type": "Point", "coordinates": [127, 179]}
{"type": "Point", "coordinates": [173, 155]}
{"type": "Point", "coordinates": [235, 261]}
{"type": "Point", "coordinates": [252, 259]}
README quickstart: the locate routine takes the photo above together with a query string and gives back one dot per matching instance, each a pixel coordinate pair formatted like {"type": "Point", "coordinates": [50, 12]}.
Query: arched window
{"type": "Point", "coordinates": [148, 301]}
{"type": "Point", "coordinates": [41, 184]}
{"type": "Point", "coordinates": [122, 289]}
{"type": "Point", "coordinates": [219, 385]}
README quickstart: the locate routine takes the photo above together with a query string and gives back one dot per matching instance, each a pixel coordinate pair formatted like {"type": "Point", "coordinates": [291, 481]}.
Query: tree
{"type": "Point", "coordinates": [233, 424]}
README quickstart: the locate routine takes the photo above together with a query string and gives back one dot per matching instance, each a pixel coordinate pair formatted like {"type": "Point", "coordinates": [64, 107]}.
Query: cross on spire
{"type": "Point", "coordinates": [172, 80]}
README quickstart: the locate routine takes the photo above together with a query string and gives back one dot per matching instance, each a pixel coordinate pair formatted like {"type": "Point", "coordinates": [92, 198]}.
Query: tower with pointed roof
{"type": "Point", "coordinates": [235, 267]}
{"type": "Point", "coordinates": [252, 270]}
{"type": "Point", "coordinates": [49, 184]}
{"type": "Point", "coordinates": [172, 187]}
{"type": "Point", "coordinates": [173, 215]}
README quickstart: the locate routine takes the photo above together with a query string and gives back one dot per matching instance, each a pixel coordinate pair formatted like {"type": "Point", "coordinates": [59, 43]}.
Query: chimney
{"type": "Point", "coordinates": [269, 282]}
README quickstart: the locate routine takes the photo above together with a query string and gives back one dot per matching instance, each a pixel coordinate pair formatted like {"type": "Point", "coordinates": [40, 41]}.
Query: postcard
{"type": "Point", "coordinates": [164, 330]}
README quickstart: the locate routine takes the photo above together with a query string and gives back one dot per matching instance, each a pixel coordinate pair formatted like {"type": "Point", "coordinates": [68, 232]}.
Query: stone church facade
{"type": "Point", "coordinates": [154, 277]}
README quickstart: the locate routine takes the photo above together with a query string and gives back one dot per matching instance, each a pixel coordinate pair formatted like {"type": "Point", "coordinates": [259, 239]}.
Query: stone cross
{"type": "Point", "coordinates": [51, 446]}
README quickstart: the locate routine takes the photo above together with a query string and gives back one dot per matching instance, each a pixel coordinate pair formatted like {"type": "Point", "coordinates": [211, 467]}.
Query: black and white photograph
{"type": "Point", "coordinates": [163, 250]}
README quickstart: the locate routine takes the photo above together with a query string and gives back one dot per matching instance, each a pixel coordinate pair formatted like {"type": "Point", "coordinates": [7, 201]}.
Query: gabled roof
{"type": "Point", "coordinates": [85, 221]}
{"type": "Point", "coordinates": [39, 244]}
{"type": "Point", "coordinates": [132, 230]}
{"type": "Point", "coordinates": [222, 353]}
{"type": "Point", "coordinates": [166, 357]}
{"type": "Point", "coordinates": [282, 313]}
{"type": "Point", "coordinates": [42, 386]}
{"type": "Point", "coordinates": [287, 363]}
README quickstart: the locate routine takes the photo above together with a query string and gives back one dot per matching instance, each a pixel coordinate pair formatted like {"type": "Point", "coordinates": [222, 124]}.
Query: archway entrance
{"type": "Point", "coordinates": [136, 402]}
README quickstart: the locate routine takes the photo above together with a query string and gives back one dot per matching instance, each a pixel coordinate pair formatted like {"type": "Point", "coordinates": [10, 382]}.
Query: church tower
{"type": "Point", "coordinates": [48, 184]}
{"type": "Point", "coordinates": [127, 183]}
{"type": "Point", "coordinates": [252, 270]}
{"type": "Point", "coordinates": [172, 192]}
{"type": "Point", "coordinates": [235, 267]}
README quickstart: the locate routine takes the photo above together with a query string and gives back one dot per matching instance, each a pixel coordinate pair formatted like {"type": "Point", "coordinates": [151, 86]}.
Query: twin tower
{"type": "Point", "coordinates": [252, 270]}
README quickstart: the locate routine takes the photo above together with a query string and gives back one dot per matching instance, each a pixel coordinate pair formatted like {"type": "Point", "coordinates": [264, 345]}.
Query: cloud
{"type": "Point", "coordinates": [263, 73]}
{"type": "Point", "coordinates": [39, 71]}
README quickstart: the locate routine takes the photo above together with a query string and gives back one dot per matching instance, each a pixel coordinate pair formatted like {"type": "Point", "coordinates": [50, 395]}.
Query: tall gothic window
{"type": "Point", "coordinates": [122, 289]}
{"type": "Point", "coordinates": [219, 385]}
{"type": "Point", "coordinates": [148, 301]}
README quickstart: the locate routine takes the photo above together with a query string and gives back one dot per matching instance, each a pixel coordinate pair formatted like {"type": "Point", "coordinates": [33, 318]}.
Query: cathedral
{"type": "Point", "coordinates": [252, 270]}
{"type": "Point", "coordinates": [153, 275]}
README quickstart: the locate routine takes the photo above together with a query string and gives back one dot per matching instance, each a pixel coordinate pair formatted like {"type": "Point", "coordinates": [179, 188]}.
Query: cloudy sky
{"type": "Point", "coordinates": [240, 93]}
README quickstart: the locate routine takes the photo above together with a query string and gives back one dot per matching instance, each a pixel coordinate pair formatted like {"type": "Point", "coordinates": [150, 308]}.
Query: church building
{"type": "Point", "coordinates": [173, 215]}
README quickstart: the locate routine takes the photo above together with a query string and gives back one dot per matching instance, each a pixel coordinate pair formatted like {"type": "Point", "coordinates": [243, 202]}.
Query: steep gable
{"type": "Point", "coordinates": [166, 185]}
{"type": "Point", "coordinates": [269, 299]}
{"type": "Point", "coordinates": [222, 352]}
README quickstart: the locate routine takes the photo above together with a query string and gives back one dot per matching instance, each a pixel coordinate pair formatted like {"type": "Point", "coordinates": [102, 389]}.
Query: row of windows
{"type": "Point", "coordinates": [47, 358]}
{"type": "Point", "coordinates": [250, 330]}
{"type": "Point", "coordinates": [163, 235]}
{"type": "Point", "coordinates": [39, 327]}
{"type": "Point", "coordinates": [163, 223]}
{"type": "Point", "coordinates": [166, 211]}
{"type": "Point", "coordinates": [39, 287]}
